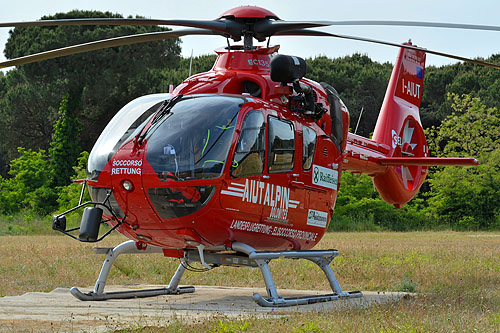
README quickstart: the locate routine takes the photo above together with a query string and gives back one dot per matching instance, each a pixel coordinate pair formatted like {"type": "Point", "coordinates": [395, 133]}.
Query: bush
{"type": "Point", "coordinates": [31, 183]}
{"type": "Point", "coordinates": [467, 198]}
{"type": "Point", "coordinates": [25, 222]}
{"type": "Point", "coordinates": [29, 187]}
{"type": "Point", "coordinates": [360, 208]}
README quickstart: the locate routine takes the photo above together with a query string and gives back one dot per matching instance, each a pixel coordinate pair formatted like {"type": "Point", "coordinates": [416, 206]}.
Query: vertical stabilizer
{"type": "Point", "coordinates": [399, 128]}
{"type": "Point", "coordinates": [403, 96]}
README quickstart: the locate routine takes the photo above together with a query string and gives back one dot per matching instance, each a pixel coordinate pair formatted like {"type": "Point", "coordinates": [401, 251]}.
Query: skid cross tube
{"type": "Point", "coordinates": [322, 258]}
{"type": "Point", "coordinates": [129, 247]}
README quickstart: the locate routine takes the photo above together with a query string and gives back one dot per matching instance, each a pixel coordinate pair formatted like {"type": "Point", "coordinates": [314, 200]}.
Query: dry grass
{"type": "Point", "coordinates": [458, 275]}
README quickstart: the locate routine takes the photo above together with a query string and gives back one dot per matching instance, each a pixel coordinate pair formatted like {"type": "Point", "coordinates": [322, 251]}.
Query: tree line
{"type": "Point", "coordinates": [51, 112]}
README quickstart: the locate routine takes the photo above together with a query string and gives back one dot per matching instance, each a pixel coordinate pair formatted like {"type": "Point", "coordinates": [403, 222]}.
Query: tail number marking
{"type": "Point", "coordinates": [411, 88]}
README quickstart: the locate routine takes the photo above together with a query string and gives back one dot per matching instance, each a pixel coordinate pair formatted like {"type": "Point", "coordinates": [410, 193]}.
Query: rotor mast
{"type": "Point", "coordinates": [248, 16]}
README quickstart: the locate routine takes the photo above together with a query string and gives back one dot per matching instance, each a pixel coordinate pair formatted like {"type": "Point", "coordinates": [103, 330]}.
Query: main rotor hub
{"type": "Point", "coordinates": [248, 12]}
{"type": "Point", "coordinates": [248, 22]}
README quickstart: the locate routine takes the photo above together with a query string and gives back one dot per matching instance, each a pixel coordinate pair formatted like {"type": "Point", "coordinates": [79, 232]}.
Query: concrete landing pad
{"type": "Point", "coordinates": [58, 310]}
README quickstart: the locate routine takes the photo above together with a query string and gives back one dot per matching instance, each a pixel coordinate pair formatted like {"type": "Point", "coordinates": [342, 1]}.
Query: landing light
{"type": "Point", "coordinates": [127, 185]}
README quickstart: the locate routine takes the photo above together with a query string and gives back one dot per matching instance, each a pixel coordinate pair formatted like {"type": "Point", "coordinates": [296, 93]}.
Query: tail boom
{"type": "Point", "coordinates": [429, 161]}
{"type": "Point", "coordinates": [397, 179]}
{"type": "Point", "coordinates": [366, 156]}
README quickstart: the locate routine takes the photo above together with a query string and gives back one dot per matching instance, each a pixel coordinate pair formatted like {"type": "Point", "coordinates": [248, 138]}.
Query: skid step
{"type": "Point", "coordinates": [92, 296]}
{"type": "Point", "coordinates": [302, 300]}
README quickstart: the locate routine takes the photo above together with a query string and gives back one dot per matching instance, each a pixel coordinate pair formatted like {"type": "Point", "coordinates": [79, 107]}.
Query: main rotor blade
{"type": "Point", "coordinates": [415, 24]}
{"type": "Point", "coordinates": [281, 25]}
{"type": "Point", "coordinates": [204, 24]}
{"type": "Point", "coordinates": [229, 27]}
{"type": "Point", "coordinates": [268, 28]}
{"type": "Point", "coordinates": [306, 32]}
{"type": "Point", "coordinates": [104, 44]}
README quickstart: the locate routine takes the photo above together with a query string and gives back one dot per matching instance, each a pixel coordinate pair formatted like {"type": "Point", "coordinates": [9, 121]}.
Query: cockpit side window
{"type": "Point", "coordinates": [281, 145]}
{"type": "Point", "coordinates": [120, 129]}
{"type": "Point", "coordinates": [133, 129]}
{"type": "Point", "coordinates": [249, 156]}
{"type": "Point", "coordinates": [308, 147]}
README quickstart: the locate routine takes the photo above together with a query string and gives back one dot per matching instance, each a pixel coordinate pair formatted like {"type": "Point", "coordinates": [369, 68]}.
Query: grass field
{"type": "Point", "coordinates": [456, 276]}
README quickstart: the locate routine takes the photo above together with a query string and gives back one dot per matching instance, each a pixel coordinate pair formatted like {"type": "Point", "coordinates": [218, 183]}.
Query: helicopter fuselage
{"type": "Point", "coordinates": [279, 193]}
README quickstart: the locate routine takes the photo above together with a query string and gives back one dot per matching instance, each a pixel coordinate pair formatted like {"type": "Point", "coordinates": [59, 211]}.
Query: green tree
{"type": "Point", "coordinates": [470, 130]}
{"type": "Point", "coordinates": [30, 186]}
{"type": "Point", "coordinates": [458, 79]}
{"type": "Point", "coordinates": [27, 114]}
{"type": "Point", "coordinates": [360, 82]}
{"type": "Point", "coordinates": [103, 80]}
{"type": "Point", "coordinates": [3, 158]}
{"type": "Point", "coordinates": [435, 107]}
{"type": "Point", "coordinates": [64, 147]}
{"type": "Point", "coordinates": [467, 198]}
{"type": "Point", "coordinates": [3, 84]}
{"type": "Point", "coordinates": [68, 196]}
{"type": "Point", "coordinates": [176, 76]}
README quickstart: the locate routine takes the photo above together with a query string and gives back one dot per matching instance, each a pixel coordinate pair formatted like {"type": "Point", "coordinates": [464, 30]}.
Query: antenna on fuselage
{"type": "Point", "coordinates": [360, 114]}
{"type": "Point", "coordinates": [190, 63]}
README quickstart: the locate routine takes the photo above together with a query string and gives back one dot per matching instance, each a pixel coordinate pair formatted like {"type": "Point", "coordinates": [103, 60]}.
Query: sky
{"type": "Point", "coordinates": [461, 42]}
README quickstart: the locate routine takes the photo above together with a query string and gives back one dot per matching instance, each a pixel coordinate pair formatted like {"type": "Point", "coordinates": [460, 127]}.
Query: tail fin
{"type": "Point", "coordinates": [403, 97]}
{"type": "Point", "coordinates": [397, 157]}
{"type": "Point", "coordinates": [400, 130]}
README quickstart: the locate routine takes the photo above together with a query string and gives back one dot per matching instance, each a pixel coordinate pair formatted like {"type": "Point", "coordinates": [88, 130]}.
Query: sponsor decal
{"type": "Point", "coordinates": [317, 218]}
{"type": "Point", "coordinates": [325, 177]}
{"type": "Point", "coordinates": [396, 139]}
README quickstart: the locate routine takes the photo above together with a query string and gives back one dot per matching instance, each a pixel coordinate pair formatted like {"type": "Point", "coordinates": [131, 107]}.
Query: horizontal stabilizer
{"type": "Point", "coordinates": [428, 161]}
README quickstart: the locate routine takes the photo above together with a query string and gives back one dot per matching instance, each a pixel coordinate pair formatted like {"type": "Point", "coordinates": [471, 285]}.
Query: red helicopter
{"type": "Point", "coordinates": [241, 165]}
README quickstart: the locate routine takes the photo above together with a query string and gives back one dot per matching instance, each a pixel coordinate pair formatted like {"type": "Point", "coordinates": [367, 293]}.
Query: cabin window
{"type": "Point", "coordinates": [249, 156]}
{"type": "Point", "coordinates": [308, 147]}
{"type": "Point", "coordinates": [281, 145]}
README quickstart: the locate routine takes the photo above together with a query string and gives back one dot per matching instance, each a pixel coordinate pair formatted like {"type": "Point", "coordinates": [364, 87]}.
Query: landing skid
{"type": "Point", "coordinates": [129, 247]}
{"type": "Point", "coordinates": [322, 258]}
{"type": "Point", "coordinates": [245, 256]}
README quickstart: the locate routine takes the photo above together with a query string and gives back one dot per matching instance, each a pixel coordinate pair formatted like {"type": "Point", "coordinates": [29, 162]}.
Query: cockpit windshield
{"type": "Point", "coordinates": [192, 141]}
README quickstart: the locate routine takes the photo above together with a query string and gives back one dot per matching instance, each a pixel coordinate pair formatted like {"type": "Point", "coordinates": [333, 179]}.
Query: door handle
{"type": "Point", "coordinates": [296, 184]}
